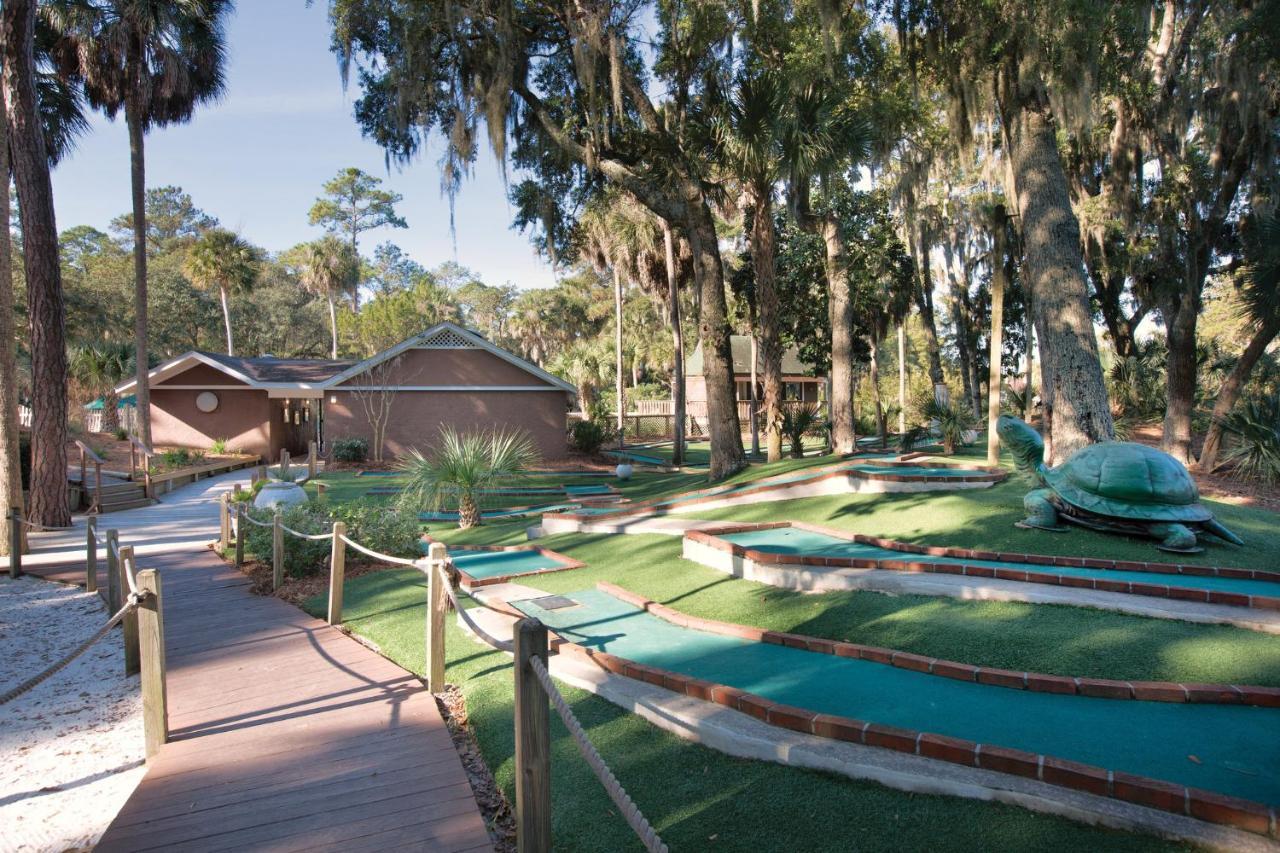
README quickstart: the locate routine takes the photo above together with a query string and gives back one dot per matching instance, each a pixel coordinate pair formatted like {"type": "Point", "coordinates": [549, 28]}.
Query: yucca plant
{"type": "Point", "coordinates": [1255, 451]}
{"type": "Point", "coordinates": [951, 421]}
{"type": "Point", "coordinates": [912, 438]}
{"type": "Point", "coordinates": [462, 466]}
{"type": "Point", "coordinates": [796, 421]}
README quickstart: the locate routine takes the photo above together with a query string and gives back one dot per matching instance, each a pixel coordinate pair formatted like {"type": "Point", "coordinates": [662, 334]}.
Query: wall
{"type": "Point", "coordinates": [417, 416]}
{"type": "Point", "coordinates": [452, 367]}
{"type": "Point", "coordinates": [242, 417]}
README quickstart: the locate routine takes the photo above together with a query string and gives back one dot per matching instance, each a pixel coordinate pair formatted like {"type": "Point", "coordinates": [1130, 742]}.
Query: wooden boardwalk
{"type": "Point", "coordinates": [285, 733]}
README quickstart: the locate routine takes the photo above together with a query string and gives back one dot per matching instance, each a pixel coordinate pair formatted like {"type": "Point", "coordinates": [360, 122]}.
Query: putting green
{"type": "Point", "coordinates": [483, 565]}
{"type": "Point", "coordinates": [1230, 749]}
{"type": "Point", "coordinates": [791, 540]}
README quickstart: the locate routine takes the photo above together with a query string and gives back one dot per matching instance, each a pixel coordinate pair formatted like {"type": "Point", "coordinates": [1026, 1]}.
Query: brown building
{"type": "Point", "coordinates": [446, 376]}
{"type": "Point", "coordinates": [798, 382]}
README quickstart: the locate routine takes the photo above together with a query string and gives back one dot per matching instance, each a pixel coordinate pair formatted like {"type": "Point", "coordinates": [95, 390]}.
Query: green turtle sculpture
{"type": "Point", "coordinates": [1113, 486]}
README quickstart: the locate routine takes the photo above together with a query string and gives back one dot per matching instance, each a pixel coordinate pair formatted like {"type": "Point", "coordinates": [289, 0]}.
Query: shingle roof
{"type": "Point", "coordinates": [268, 368]}
{"type": "Point", "coordinates": [741, 347]}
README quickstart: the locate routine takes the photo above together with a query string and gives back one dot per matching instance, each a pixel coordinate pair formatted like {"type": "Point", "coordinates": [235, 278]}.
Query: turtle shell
{"type": "Point", "coordinates": [1128, 480]}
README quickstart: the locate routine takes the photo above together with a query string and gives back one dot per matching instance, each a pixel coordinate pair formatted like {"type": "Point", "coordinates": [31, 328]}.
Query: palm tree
{"type": "Point", "coordinates": [225, 260]}
{"type": "Point", "coordinates": [750, 142]}
{"type": "Point", "coordinates": [330, 268]}
{"type": "Point", "coordinates": [155, 61]}
{"type": "Point", "coordinates": [462, 467]}
{"type": "Point", "coordinates": [98, 369]}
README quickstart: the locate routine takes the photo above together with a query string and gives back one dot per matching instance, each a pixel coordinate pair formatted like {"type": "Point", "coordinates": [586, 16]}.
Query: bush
{"type": "Point", "coordinates": [913, 437]}
{"type": "Point", "coordinates": [302, 557]}
{"type": "Point", "coordinates": [951, 422]}
{"type": "Point", "coordinates": [180, 457]}
{"type": "Point", "coordinates": [379, 527]}
{"type": "Point", "coordinates": [1254, 429]}
{"type": "Point", "coordinates": [796, 421]}
{"type": "Point", "coordinates": [350, 450]}
{"type": "Point", "coordinates": [589, 436]}
{"type": "Point", "coordinates": [219, 447]}
{"type": "Point", "coordinates": [121, 434]}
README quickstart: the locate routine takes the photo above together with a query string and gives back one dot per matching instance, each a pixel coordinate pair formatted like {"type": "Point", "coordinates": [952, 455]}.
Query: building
{"type": "Point", "coordinates": [445, 376]}
{"type": "Point", "coordinates": [798, 382]}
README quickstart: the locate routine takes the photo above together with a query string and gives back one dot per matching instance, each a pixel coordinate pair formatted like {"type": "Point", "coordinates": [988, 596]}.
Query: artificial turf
{"type": "Point", "coordinates": [696, 798]}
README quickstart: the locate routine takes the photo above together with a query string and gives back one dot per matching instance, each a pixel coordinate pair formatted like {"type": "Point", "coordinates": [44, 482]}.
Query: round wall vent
{"type": "Point", "coordinates": [206, 401]}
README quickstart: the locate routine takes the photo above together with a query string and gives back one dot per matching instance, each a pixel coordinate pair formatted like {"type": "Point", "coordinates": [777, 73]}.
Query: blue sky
{"type": "Point", "coordinates": [256, 160]}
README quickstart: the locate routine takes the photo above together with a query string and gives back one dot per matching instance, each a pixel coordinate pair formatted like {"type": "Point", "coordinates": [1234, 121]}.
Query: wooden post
{"type": "Point", "coordinates": [320, 487]}
{"type": "Point", "coordinates": [436, 598]}
{"type": "Point", "coordinates": [15, 544]}
{"type": "Point", "coordinates": [277, 550]}
{"type": "Point", "coordinates": [533, 742]}
{"type": "Point", "coordinates": [132, 652]}
{"type": "Point", "coordinates": [133, 462]}
{"type": "Point", "coordinates": [224, 522]}
{"type": "Point", "coordinates": [91, 554]}
{"type": "Point", "coordinates": [155, 702]}
{"type": "Point", "coordinates": [311, 460]}
{"type": "Point", "coordinates": [240, 534]}
{"type": "Point", "coordinates": [337, 573]}
{"type": "Point", "coordinates": [113, 570]}
{"type": "Point", "coordinates": [97, 484]}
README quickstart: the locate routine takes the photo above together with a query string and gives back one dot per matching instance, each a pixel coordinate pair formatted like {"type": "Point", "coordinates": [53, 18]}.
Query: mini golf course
{"type": "Point", "coordinates": [1191, 749]}
{"type": "Point", "coordinates": [483, 566]}
{"type": "Point", "coordinates": [497, 513]}
{"type": "Point", "coordinates": [795, 544]}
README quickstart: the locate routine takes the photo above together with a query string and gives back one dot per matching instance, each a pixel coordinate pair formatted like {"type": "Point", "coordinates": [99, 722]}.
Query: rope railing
{"type": "Point", "coordinates": [399, 561]}
{"type": "Point", "coordinates": [501, 645]}
{"type": "Point", "coordinates": [315, 537]}
{"type": "Point", "coordinates": [630, 811]}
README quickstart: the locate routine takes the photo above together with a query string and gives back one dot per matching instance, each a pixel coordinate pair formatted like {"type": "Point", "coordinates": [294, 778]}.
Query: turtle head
{"type": "Point", "coordinates": [1023, 442]}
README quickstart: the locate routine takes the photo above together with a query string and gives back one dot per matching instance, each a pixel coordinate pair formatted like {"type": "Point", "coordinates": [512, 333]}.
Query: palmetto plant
{"type": "Point", "coordinates": [1255, 453]}
{"type": "Point", "coordinates": [951, 421]}
{"type": "Point", "coordinates": [331, 269]}
{"type": "Point", "coordinates": [224, 260]}
{"type": "Point", "coordinates": [461, 466]}
{"type": "Point", "coordinates": [796, 421]}
{"type": "Point", "coordinates": [98, 368]}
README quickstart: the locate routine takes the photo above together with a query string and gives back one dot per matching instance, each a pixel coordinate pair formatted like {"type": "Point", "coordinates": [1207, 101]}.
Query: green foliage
{"type": "Point", "coordinates": [388, 530]}
{"type": "Point", "coordinates": [121, 434]}
{"type": "Point", "coordinates": [350, 450]}
{"type": "Point", "coordinates": [913, 437]}
{"type": "Point", "coordinates": [302, 557]}
{"type": "Point", "coordinates": [797, 421]}
{"type": "Point", "coordinates": [218, 447]}
{"type": "Point", "coordinates": [951, 421]}
{"type": "Point", "coordinates": [1136, 383]}
{"type": "Point", "coordinates": [282, 474]}
{"type": "Point", "coordinates": [590, 435]}
{"type": "Point", "coordinates": [462, 466]}
{"type": "Point", "coordinates": [176, 458]}
{"type": "Point", "coordinates": [353, 202]}
{"type": "Point", "coordinates": [1254, 451]}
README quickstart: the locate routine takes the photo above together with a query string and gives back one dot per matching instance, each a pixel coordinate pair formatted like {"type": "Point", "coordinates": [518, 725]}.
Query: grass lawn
{"type": "Point", "coordinates": [697, 798]}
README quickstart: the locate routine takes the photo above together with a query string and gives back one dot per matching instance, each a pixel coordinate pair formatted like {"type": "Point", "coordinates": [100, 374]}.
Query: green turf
{"type": "Point", "coordinates": [697, 798]}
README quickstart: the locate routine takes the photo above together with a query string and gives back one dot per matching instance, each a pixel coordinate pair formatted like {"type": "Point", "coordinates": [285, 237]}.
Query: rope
{"type": "Point", "coordinates": [315, 536]}
{"type": "Point", "coordinates": [399, 561]}
{"type": "Point", "coordinates": [252, 520]}
{"type": "Point", "coordinates": [648, 836]}
{"type": "Point", "coordinates": [40, 528]}
{"type": "Point", "coordinates": [501, 645]}
{"type": "Point", "coordinates": [135, 599]}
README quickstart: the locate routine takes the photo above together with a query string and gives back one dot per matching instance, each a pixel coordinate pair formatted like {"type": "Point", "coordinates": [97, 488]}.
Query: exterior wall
{"type": "Point", "coordinates": [243, 418]}
{"type": "Point", "coordinates": [200, 374]}
{"type": "Point", "coordinates": [695, 389]}
{"type": "Point", "coordinates": [451, 367]}
{"type": "Point", "coordinates": [417, 416]}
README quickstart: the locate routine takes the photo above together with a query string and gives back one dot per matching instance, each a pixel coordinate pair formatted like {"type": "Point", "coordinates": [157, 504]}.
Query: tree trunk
{"type": "Point", "coordinates": [1179, 314]}
{"type": "Point", "coordinates": [997, 333]}
{"type": "Point", "coordinates": [727, 456]}
{"type": "Point", "coordinates": [1028, 332]}
{"type": "Point", "coordinates": [110, 410]}
{"type": "Point", "coordinates": [617, 355]}
{"type": "Point", "coordinates": [45, 305]}
{"type": "Point", "coordinates": [1229, 393]}
{"type": "Point", "coordinates": [677, 341]}
{"type": "Point", "coordinates": [468, 511]}
{"type": "Point", "coordinates": [138, 178]}
{"type": "Point", "coordinates": [882, 429]}
{"type": "Point", "coordinates": [840, 314]}
{"type": "Point", "coordinates": [333, 324]}
{"type": "Point", "coordinates": [767, 313]}
{"type": "Point", "coordinates": [1054, 267]}
{"type": "Point", "coordinates": [226, 319]}
{"type": "Point", "coordinates": [10, 452]}
{"type": "Point", "coordinates": [924, 302]}
{"type": "Point", "coordinates": [902, 378]}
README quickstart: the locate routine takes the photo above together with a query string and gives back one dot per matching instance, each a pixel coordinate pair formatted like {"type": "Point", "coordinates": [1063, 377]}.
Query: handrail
{"type": "Point", "coordinates": [146, 451]}
{"type": "Point", "coordinates": [90, 452]}
{"type": "Point", "coordinates": [136, 447]}
{"type": "Point", "coordinates": [87, 452]}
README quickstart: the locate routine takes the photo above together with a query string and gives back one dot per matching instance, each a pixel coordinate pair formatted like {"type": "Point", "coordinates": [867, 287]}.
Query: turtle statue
{"type": "Point", "coordinates": [1113, 486]}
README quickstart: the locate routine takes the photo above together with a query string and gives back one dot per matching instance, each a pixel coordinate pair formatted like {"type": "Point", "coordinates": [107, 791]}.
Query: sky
{"type": "Point", "coordinates": [256, 160]}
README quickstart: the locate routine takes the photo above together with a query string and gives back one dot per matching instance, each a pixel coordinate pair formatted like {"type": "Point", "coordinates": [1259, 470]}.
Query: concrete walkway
{"type": "Point", "coordinates": [285, 733]}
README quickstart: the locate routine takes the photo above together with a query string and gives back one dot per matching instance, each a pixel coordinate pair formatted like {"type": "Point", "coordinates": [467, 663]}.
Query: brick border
{"type": "Point", "coordinates": [468, 583]}
{"type": "Point", "coordinates": [710, 538]}
{"type": "Point", "coordinates": [826, 472]}
{"type": "Point", "coordinates": [1036, 682]}
{"type": "Point", "coordinates": [1140, 790]}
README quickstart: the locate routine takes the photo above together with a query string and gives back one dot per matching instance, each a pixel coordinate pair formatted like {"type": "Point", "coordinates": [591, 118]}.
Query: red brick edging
{"type": "Point", "coordinates": [710, 538]}
{"type": "Point", "coordinates": [1139, 790]}
{"type": "Point", "coordinates": [468, 582]}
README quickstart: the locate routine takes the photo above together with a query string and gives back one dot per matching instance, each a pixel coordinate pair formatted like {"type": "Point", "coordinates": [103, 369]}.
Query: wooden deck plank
{"type": "Point", "coordinates": [286, 733]}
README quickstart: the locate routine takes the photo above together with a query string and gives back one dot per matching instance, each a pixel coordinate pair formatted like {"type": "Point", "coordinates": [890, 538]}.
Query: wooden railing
{"type": "Point", "coordinates": [88, 454]}
{"type": "Point", "coordinates": [139, 450]}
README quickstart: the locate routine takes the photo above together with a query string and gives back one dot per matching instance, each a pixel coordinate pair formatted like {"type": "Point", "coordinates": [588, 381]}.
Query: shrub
{"type": "Point", "coordinates": [121, 434]}
{"type": "Point", "coordinates": [379, 527]}
{"type": "Point", "coordinates": [1255, 447]}
{"type": "Point", "coordinates": [219, 447]}
{"type": "Point", "coordinates": [589, 436]}
{"type": "Point", "coordinates": [282, 474]}
{"type": "Point", "coordinates": [463, 466]}
{"type": "Point", "coordinates": [796, 421]}
{"type": "Point", "coordinates": [302, 557]}
{"type": "Point", "coordinates": [350, 450]}
{"type": "Point", "coordinates": [912, 437]}
{"type": "Point", "coordinates": [178, 457]}
{"type": "Point", "coordinates": [951, 422]}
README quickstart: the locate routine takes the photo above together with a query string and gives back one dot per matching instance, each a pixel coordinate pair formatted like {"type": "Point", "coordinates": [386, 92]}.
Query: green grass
{"type": "Point", "coordinates": [696, 798]}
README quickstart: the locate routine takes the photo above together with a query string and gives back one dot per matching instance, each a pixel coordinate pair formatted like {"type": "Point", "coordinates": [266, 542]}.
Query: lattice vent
{"type": "Point", "coordinates": [447, 339]}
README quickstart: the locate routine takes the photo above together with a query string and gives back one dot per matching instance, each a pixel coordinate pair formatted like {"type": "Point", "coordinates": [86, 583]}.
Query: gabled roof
{"type": "Point", "coordinates": [741, 347]}
{"type": "Point", "coordinates": [448, 335]}
{"type": "Point", "coordinates": [259, 372]}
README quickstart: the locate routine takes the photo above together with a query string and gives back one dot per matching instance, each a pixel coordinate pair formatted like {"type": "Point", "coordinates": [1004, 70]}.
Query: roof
{"type": "Point", "coordinates": [268, 368]}
{"type": "Point", "coordinates": [741, 346]}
